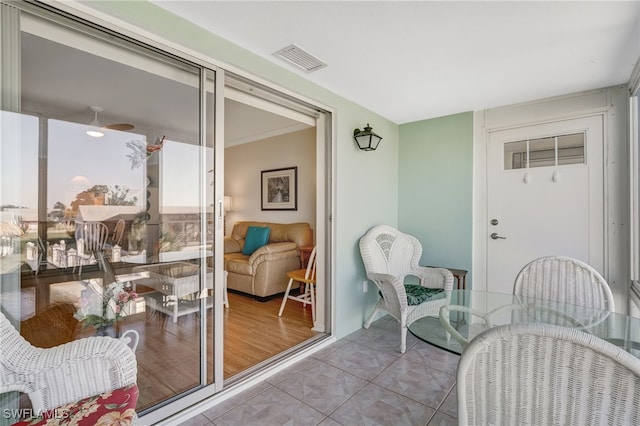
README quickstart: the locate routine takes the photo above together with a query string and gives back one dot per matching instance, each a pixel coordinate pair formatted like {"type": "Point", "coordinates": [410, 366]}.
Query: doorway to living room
{"type": "Point", "coordinates": [283, 140]}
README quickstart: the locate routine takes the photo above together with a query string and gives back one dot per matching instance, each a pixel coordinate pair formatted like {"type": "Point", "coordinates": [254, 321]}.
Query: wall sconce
{"type": "Point", "coordinates": [366, 139]}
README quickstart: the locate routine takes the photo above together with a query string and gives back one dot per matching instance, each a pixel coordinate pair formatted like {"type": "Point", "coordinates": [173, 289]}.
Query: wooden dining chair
{"type": "Point", "coordinates": [542, 374]}
{"type": "Point", "coordinates": [118, 232]}
{"type": "Point", "coordinates": [115, 239]}
{"type": "Point", "coordinates": [307, 277]}
{"type": "Point", "coordinates": [94, 236]}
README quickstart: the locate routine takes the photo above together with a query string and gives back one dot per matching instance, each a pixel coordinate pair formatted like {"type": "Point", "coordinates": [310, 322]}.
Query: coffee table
{"type": "Point", "coordinates": [177, 286]}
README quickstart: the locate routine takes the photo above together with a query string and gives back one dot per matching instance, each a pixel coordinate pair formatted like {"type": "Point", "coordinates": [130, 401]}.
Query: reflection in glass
{"type": "Point", "coordinates": [145, 182]}
{"type": "Point", "coordinates": [106, 186]}
{"type": "Point", "coordinates": [515, 155]}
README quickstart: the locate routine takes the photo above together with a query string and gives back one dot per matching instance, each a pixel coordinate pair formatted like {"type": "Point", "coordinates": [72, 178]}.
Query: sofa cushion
{"type": "Point", "coordinates": [299, 233]}
{"type": "Point", "coordinates": [237, 263]}
{"type": "Point", "coordinates": [257, 236]}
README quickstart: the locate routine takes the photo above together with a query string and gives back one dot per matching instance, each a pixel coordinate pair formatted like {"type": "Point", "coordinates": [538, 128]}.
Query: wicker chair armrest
{"type": "Point", "coordinates": [379, 277]}
{"type": "Point", "coordinates": [12, 382]}
{"type": "Point", "coordinates": [391, 287]}
{"type": "Point", "coordinates": [435, 277]}
{"type": "Point", "coordinates": [75, 370]}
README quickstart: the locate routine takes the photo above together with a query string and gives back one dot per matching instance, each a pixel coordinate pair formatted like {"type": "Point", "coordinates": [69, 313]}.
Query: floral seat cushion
{"type": "Point", "coordinates": [416, 294]}
{"type": "Point", "coordinates": [108, 409]}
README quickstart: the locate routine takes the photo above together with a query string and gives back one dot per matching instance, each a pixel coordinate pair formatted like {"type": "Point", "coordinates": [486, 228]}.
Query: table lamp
{"type": "Point", "coordinates": [228, 206]}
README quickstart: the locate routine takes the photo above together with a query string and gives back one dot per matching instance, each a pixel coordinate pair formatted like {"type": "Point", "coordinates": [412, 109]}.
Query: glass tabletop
{"type": "Point", "coordinates": [471, 311]}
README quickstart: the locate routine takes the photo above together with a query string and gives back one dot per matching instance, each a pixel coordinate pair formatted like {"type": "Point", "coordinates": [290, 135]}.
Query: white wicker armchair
{"type": "Point", "coordinates": [66, 373]}
{"type": "Point", "coordinates": [541, 374]}
{"type": "Point", "coordinates": [389, 257]}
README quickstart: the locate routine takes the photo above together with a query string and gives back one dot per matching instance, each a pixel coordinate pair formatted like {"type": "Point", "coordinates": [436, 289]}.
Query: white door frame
{"type": "Point", "coordinates": [612, 104]}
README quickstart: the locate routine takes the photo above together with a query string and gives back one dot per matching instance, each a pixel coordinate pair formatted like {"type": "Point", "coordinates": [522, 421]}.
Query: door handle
{"type": "Point", "coordinates": [495, 236]}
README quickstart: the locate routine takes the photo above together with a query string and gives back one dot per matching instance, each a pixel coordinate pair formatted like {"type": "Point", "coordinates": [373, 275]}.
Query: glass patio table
{"type": "Point", "coordinates": [471, 312]}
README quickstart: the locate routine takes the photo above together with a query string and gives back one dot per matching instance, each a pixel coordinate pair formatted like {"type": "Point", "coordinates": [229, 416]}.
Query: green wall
{"type": "Point", "coordinates": [435, 188]}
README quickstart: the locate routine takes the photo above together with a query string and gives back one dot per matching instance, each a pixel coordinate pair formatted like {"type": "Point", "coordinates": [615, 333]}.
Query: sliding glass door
{"type": "Point", "coordinates": [107, 204]}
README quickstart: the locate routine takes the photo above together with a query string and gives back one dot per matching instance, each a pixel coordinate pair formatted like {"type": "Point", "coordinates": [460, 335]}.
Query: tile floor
{"type": "Point", "coordinates": [361, 379]}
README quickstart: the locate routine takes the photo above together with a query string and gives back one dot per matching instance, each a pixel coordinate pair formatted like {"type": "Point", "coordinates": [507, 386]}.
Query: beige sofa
{"type": "Point", "coordinates": [264, 273]}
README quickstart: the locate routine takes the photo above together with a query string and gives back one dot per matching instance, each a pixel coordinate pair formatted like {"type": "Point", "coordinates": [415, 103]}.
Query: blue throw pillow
{"type": "Point", "coordinates": [257, 236]}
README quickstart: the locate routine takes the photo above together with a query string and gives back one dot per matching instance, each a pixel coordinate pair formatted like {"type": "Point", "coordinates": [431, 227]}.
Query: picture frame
{"type": "Point", "coordinates": [279, 190]}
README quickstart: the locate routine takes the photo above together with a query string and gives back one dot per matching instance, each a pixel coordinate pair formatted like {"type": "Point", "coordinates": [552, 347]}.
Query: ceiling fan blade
{"type": "Point", "coordinates": [120, 126]}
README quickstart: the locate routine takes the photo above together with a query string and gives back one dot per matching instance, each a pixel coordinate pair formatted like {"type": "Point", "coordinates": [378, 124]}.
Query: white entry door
{"type": "Point", "coordinates": [545, 196]}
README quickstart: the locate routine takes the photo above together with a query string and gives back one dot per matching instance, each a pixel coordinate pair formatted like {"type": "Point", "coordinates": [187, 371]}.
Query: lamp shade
{"type": "Point", "coordinates": [94, 130]}
{"type": "Point", "coordinates": [366, 139]}
{"type": "Point", "coordinates": [228, 203]}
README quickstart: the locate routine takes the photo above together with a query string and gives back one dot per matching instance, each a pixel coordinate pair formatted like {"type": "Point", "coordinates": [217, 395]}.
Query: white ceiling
{"type": "Point", "coordinates": [61, 82]}
{"type": "Point", "coordinates": [412, 60]}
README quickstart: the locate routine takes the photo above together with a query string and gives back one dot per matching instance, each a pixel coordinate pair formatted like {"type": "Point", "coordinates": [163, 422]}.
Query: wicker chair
{"type": "Point", "coordinates": [66, 373]}
{"type": "Point", "coordinates": [118, 232]}
{"type": "Point", "coordinates": [389, 257]}
{"type": "Point", "coordinates": [565, 280]}
{"type": "Point", "coordinates": [568, 281]}
{"type": "Point", "coordinates": [94, 235]}
{"type": "Point", "coordinates": [542, 374]}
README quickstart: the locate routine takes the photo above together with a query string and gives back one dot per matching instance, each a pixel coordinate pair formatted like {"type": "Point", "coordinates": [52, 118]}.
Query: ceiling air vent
{"type": "Point", "coordinates": [301, 59]}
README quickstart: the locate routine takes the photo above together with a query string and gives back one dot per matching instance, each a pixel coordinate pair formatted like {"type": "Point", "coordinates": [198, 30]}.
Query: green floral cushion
{"type": "Point", "coordinates": [416, 294]}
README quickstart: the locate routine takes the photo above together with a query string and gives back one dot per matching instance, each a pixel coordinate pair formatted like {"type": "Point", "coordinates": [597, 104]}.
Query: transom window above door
{"type": "Point", "coordinates": [555, 150]}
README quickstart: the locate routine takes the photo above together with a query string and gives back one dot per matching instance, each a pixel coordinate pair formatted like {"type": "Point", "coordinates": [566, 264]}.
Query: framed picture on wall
{"type": "Point", "coordinates": [280, 189]}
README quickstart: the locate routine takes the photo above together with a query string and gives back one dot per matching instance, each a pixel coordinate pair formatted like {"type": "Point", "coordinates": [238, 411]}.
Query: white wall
{"type": "Point", "coordinates": [244, 163]}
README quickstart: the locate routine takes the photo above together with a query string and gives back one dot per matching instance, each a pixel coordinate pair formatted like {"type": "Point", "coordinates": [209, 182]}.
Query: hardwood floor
{"type": "Point", "coordinates": [254, 332]}
{"type": "Point", "coordinates": [168, 353]}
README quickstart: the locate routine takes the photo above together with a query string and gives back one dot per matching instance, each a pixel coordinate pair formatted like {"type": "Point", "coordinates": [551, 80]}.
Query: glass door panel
{"type": "Point", "coordinates": [113, 137]}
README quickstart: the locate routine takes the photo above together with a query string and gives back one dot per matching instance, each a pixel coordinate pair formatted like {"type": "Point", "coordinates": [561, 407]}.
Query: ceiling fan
{"type": "Point", "coordinates": [96, 132]}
